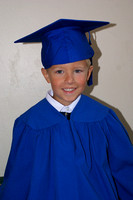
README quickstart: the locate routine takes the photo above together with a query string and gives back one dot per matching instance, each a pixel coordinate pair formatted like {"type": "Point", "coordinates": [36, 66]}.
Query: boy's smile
{"type": "Point", "coordinates": [68, 81]}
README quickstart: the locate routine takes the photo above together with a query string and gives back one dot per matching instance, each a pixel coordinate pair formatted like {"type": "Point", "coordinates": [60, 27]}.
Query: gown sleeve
{"type": "Point", "coordinates": [120, 155]}
{"type": "Point", "coordinates": [18, 169]}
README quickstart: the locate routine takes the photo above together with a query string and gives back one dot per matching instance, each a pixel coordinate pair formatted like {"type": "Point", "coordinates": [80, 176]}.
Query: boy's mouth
{"type": "Point", "coordinates": [69, 89]}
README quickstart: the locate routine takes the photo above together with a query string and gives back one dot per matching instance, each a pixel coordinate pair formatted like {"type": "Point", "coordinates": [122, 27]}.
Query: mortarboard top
{"type": "Point", "coordinates": [64, 41]}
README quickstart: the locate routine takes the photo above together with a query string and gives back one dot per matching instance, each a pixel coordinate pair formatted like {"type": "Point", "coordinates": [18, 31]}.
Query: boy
{"type": "Point", "coordinates": [68, 81]}
{"type": "Point", "coordinates": [68, 146]}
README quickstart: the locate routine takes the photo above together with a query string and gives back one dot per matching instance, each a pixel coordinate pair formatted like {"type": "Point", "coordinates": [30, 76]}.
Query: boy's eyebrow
{"type": "Point", "coordinates": [55, 68]}
{"type": "Point", "coordinates": [81, 65]}
{"type": "Point", "coordinates": [58, 67]}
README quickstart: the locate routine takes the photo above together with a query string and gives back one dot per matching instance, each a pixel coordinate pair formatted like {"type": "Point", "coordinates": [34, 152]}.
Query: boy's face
{"type": "Point", "coordinates": [68, 81]}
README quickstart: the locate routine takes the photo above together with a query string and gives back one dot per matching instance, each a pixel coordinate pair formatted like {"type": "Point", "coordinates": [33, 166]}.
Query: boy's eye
{"type": "Point", "coordinates": [78, 70]}
{"type": "Point", "coordinates": [59, 71]}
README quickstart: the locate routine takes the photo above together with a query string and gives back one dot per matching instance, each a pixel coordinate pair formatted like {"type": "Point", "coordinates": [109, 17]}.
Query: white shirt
{"type": "Point", "coordinates": [58, 106]}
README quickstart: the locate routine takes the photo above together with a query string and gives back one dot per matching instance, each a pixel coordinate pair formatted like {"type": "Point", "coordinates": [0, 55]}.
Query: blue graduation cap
{"type": "Point", "coordinates": [64, 41]}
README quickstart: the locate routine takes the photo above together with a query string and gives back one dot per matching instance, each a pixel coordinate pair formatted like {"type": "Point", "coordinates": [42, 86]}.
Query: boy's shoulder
{"type": "Point", "coordinates": [90, 110]}
{"type": "Point", "coordinates": [37, 117]}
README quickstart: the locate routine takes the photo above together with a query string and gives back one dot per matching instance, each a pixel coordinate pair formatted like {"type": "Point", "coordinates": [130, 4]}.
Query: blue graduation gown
{"type": "Point", "coordinates": [87, 157]}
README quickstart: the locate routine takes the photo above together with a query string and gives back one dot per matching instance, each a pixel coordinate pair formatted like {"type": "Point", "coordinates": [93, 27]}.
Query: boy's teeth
{"type": "Point", "coordinates": [68, 90]}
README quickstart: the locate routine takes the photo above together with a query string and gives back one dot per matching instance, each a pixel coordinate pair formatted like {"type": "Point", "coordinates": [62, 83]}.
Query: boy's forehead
{"type": "Point", "coordinates": [80, 63]}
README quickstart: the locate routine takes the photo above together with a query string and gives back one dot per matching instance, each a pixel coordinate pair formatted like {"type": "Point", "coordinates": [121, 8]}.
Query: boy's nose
{"type": "Point", "coordinates": [69, 78]}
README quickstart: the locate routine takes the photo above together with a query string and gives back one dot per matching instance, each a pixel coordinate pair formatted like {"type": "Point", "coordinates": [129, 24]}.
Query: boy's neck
{"type": "Point", "coordinates": [58, 106]}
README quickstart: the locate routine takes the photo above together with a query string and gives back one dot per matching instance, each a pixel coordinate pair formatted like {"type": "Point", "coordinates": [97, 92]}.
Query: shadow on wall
{"type": "Point", "coordinates": [89, 89]}
{"type": "Point", "coordinates": [1, 180]}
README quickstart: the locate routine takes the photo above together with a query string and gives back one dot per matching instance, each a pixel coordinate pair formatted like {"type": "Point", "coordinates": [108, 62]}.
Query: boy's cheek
{"type": "Point", "coordinates": [82, 80]}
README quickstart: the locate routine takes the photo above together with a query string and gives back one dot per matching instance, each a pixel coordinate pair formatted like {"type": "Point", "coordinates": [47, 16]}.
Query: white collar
{"type": "Point", "coordinates": [58, 106]}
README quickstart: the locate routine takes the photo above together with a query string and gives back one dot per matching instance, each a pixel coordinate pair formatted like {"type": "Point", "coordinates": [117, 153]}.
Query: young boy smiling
{"type": "Point", "coordinates": [68, 146]}
{"type": "Point", "coordinates": [68, 81]}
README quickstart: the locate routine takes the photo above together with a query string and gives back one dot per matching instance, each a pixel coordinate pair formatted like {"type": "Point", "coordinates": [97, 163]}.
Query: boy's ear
{"type": "Point", "coordinates": [89, 72]}
{"type": "Point", "coordinates": [45, 74]}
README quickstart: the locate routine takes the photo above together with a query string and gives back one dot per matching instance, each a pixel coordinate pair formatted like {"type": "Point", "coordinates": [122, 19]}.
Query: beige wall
{"type": "Point", "coordinates": [21, 83]}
